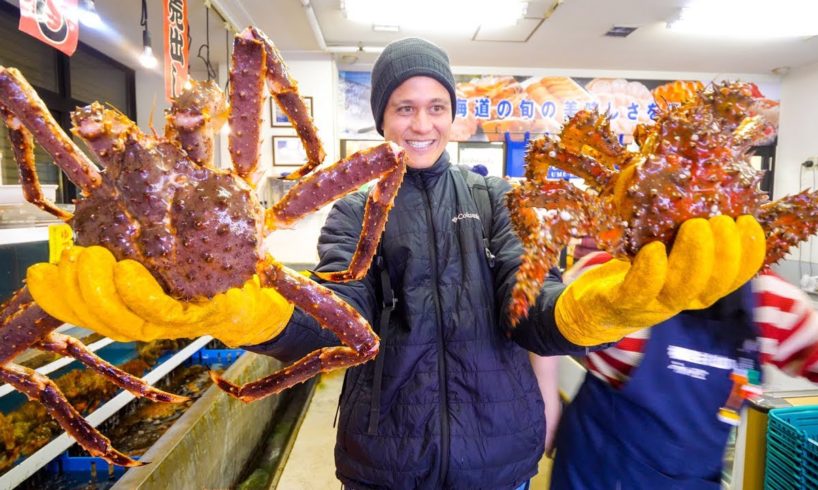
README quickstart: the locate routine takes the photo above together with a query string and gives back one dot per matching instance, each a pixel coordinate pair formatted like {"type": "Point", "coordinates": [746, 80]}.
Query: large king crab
{"type": "Point", "coordinates": [160, 203]}
{"type": "Point", "coordinates": [693, 162]}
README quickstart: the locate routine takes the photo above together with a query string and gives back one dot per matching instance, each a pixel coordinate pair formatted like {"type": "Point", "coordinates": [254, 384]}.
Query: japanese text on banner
{"type": "Point", "coordinates": [177, 46]}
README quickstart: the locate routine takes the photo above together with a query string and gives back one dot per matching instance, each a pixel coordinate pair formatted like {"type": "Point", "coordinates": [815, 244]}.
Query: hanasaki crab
{"type": "Point", "coordinates": [693, 162]}
{"type": "Point", "coordinates": [198, 230]}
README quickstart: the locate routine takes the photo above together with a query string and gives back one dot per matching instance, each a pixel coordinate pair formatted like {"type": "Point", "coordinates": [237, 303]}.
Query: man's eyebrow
{"type": "Point", "coordinates": [437, 100]}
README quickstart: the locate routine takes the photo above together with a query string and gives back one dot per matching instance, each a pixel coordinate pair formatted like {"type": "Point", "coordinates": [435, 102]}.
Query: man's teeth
{"type": "Point", "coordinates": [420, 144]}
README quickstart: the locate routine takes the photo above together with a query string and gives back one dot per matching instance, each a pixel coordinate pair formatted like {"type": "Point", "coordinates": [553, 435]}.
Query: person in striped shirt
{"type": "Point", "coordinates": [655, 408]}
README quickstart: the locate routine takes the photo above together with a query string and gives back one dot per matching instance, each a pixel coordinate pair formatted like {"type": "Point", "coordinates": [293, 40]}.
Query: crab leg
{"type": "Point", "coordinates": [543, 237]}
{"type": "Point", "coordinates": [788, 221]}
{"type": "Point", "coordinates": [360, 342]}
{"type": "Point", "coordinates": [194, 118]}
{"type": "Point", "coordinates": [21, 100]}
{"type": "Point", "coordinates": [23, 145]}
{"type": "Point", "coordinates": [39, 388]}
{"type": "Point", "coordinates": [544, 152]}
{"type": "Point", "coordinates": [105, 131]}
{"type": "Point", "coordinates": [285, 90]}
{"type": "Point", "coordinates": [384, 162]}
{"type": "Point", "coordinates": [71, 347]}
{"type": "Point", "coordinates": [246, 99]}
{"type": "Point", "coordinates": [22, 324]}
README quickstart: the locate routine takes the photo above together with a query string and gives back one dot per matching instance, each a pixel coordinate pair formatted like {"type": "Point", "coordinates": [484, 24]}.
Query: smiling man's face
{"type": "Point", "coordinates": [418, 117]}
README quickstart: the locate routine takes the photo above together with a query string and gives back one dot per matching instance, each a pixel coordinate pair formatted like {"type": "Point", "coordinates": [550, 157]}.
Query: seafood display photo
{"type": "Point", "coordinates": [491, 106]}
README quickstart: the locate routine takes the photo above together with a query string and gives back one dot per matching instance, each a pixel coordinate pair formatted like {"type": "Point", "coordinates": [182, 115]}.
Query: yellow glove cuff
{"type": "Point", "coordinates": [615, 299]}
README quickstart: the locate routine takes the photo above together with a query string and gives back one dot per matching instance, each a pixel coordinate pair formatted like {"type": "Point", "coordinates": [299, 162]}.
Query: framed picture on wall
{"type": "Point", "coordinates": [288, 151]}
{"type": "Point", "coordinates": [348, 147]}
{"type": "Point", "coordinates": [278, 119]}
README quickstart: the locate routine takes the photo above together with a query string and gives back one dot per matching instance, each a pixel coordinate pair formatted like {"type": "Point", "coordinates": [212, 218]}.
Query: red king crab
{"type": "Point", "coordinates": [159, 205]}
{"type": "Point", "coordinates": [693, 162]}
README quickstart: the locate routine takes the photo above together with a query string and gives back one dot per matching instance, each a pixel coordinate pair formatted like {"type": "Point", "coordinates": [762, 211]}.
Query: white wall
{"type": "Point", "coordinates": [317, 78]}
{"type": "Point", "coordinates": [797, 142]}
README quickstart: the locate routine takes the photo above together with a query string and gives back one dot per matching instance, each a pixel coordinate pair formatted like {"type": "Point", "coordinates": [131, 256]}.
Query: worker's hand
{"type": "Point", "coordinates": [123, 301]}
{"type": "Point", "coordinates": [709, 260]}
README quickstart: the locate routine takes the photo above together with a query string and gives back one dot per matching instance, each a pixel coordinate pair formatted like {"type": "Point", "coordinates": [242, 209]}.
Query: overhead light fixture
{"type": "Point", "coordinates": [747, 18]}
{"type": "Point", "coordinates": [385, 28]}
{"type": "Point", "coordinates": [436, 15]}
{"type": "Point", "coordinates": [147, 59]}
{"type": "Point", "coordinates": [620, 31]}
{"type": "Point", "coordinates": [89, 16]}
{"type": "Point", "coordinates": [360, 48]}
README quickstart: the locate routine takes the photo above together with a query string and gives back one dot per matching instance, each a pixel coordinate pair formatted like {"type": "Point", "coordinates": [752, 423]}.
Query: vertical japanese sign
{"type": "Point", "coordinates": [177, 47]}
{"type": "Point", "coordinates": [53, 22]}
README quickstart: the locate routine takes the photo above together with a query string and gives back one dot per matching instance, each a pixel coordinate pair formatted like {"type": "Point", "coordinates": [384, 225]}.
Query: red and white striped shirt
{"type": "Point", "coordinates": [786, 320]}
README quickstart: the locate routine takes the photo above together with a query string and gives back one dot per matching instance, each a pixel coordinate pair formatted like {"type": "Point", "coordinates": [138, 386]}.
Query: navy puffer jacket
{"type": "Point", "coordinates": [459, 405]}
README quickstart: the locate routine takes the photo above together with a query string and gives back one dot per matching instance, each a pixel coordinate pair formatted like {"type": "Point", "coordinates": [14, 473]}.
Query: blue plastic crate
{"type": "Point", "coordinates": [85, 466]}
{"type": "Point", "coordinates": [792, 448]}
{"type": "Point", "coordinates": [211, 357]}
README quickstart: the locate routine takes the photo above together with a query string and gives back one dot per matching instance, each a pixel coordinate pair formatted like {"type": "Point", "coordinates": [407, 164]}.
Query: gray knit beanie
{"type": "Point", "coordinates": [402, 60]}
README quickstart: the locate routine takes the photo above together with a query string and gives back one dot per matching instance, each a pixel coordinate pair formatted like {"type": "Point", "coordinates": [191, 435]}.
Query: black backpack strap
{"type": "Point", "coordinates": [479, 190]}
{"type": "Point", "coordinates": [388, 303]}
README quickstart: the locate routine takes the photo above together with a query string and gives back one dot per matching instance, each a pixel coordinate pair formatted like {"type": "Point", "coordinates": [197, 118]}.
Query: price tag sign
{"type": "Point", "coordinates": [60, 237]}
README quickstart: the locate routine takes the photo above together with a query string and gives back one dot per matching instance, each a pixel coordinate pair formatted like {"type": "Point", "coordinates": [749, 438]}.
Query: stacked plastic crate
{"type": "Point", "coordinates": [792, 449]}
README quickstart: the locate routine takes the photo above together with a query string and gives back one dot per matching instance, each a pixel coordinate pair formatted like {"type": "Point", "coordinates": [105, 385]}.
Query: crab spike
{"type": "Point", "coordinates": [588, 134]}
{"type": "Point", "coordinates": [285, 90]}
{"type": "Point", "coordinates": [22, 143]}
{"type": "Point", "coordinates": [360, 342]}
{"type": "Point", "coordinates": [246, 98]}
{"type": "Point", "coordinates": [71, 347]}
{"type": "Point", "coordinates": [788, 221]}
{"type": "Point", "coordinates": [20, 98]}
{"type": "Point", "coordinates": [385, 163]}
{"type": "Point", "coordinates": [22, 323]}
{"type": "Point", "coordinates": [543, 237]}
{"type": "Point", "coordinates": [545, 152]}
{"type": "Point", "coordinates": [41, 389]}
{"type": "Point", "coordinates": [194, 118]}
{"type": "Point", "coordinates": [150, 119]}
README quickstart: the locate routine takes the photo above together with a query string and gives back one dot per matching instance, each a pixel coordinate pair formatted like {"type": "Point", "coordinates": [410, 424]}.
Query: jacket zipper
{"type": "Point", "coordinates": [441, 357]}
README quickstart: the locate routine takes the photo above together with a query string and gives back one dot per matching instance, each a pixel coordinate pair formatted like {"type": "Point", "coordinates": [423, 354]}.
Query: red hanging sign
{"type": "Point", "coordinates": [53, 22]}
{"type": "Point", "coordinates": [177, 47]}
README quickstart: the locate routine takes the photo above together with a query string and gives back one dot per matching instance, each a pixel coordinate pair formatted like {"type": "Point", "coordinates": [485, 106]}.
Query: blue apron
{"type": "Point", "coordinates": [660, 430]}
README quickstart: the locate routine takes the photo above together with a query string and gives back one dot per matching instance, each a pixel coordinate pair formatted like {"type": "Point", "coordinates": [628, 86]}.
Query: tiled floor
{"type": "Point", "coordinates": [311, 465]}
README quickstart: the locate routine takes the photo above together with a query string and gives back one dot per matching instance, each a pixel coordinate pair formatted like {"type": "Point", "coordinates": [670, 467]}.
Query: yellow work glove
{"type": "Point", "coordinates": [709, 259]}
{"type": "Point", "coordinates": [123, 301]}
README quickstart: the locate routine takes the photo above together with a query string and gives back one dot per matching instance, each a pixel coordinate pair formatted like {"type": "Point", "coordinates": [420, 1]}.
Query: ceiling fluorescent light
{"type": "Point", "coordinates": [748, 18]}
{"type": "Point", "coordinates": [385, 28]}
{"type": "Point", "coordinates": [355, 49]}
{"type": "Point", "coordinates": [427, 15]}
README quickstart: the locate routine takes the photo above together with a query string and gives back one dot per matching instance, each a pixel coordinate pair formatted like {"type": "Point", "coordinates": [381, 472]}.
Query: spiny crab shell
{"type": "Point", "coordinates": [693, 163]}
{"type": "Point", "coordinates": [196, 229]}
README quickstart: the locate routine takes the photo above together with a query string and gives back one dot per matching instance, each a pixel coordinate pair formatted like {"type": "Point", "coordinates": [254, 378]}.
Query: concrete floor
{"type": "Point", "coordinates": [311, 465]}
